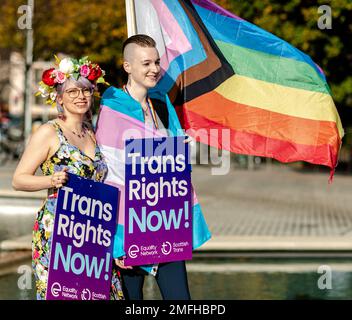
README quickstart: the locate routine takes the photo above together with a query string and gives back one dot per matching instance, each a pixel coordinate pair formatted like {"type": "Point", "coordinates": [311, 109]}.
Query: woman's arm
{"type": "Point", "coordinates": [35, 153]}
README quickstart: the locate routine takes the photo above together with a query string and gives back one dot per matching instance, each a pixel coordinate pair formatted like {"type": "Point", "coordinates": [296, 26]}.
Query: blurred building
{"type": "Point", "coordinates": [4, 80]}
{"type": "Point", "coordinates": [12, 67]}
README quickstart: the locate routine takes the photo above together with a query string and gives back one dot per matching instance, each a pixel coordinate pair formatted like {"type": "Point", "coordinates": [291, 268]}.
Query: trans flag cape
{"type": "Point", "coordinates": [119, 113]}
{"type": "Point", "coordinates": [238, 87]}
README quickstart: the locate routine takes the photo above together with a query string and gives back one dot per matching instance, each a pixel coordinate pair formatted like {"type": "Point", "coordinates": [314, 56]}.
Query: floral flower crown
{"type": "Point", "coordinates": [67, 68]}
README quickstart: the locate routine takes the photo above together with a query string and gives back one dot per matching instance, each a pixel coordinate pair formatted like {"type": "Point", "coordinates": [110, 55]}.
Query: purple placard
{"type": "Point", "coordinates": [158, 201]}
{"type": "Point", "coordinates": [82, 242]}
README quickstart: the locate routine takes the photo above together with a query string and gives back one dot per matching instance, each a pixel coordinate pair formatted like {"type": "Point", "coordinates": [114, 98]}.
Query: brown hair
{"type": "Point", "coordinates": [140, 39]}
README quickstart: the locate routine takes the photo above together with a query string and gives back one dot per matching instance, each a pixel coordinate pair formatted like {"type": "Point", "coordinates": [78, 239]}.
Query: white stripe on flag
{"type": "Point", "coordinates": [115, 159]}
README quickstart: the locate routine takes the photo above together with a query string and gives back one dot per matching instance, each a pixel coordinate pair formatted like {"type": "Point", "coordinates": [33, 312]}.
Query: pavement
{"type": "Point", "coordinates": [274, 208]}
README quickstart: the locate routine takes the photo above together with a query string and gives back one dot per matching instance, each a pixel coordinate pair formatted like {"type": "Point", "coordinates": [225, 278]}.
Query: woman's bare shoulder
{"type": "Point", "coordinates": [46, 132]}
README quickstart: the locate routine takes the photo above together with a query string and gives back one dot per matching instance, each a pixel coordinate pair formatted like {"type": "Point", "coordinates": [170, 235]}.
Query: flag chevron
{"type": "Point", "coordinates": [222, 72]}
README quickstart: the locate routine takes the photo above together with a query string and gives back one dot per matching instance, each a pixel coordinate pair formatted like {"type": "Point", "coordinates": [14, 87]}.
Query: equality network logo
{"type": "Point", "coordinates": [56, 289]}
{"type": "Point", "coordinates": [133, 251]}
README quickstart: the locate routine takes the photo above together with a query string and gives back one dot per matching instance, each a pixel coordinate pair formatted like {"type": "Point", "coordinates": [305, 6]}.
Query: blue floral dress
{"type": "Point", "coordinates": [77, 163]}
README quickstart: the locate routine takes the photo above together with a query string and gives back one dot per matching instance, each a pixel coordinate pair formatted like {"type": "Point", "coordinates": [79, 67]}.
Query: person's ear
{"type": "Point", "coordinates": [59, 99]}
{"type": "Point", "coordinates": [127, 66]}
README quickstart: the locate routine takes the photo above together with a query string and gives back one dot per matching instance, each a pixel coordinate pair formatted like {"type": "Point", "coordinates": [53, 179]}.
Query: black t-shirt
{"type": "Point", "coordinates": [160, 108]}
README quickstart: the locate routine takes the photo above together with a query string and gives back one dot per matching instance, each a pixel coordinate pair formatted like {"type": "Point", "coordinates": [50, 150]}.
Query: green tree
{"type": "Point", "coordinates": [76, 28]}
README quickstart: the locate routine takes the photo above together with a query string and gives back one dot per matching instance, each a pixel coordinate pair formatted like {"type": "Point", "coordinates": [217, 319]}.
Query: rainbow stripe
{"type": "Point", "coordinates": [222, 72]}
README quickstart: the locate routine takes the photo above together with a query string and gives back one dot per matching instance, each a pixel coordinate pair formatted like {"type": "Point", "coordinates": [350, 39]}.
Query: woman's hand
{"type": "Point", "coordinates": [120, 262]}
{"type": "Point", "coordinates": [59, 178]}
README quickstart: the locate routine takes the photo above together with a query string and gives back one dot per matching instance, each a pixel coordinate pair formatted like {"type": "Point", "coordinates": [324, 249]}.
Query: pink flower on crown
{"type": "Point", "coordinates": [84, 71]}
{"type": "Point", "coordinates": [60, 77]}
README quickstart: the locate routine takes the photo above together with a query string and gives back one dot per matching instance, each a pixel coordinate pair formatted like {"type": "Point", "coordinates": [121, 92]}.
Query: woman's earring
{"type": "Point", "coordinates": [60, 111]}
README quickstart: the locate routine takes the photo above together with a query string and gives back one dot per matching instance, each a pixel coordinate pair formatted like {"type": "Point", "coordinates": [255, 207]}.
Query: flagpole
{"type": "Point", "coordinates": [131, 18]}
{"type": "Point", "coordinates": [28, 75]}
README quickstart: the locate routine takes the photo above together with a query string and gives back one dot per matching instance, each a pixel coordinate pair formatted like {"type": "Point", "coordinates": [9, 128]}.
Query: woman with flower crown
{"type": "Point", "coordinates": [65, 144]}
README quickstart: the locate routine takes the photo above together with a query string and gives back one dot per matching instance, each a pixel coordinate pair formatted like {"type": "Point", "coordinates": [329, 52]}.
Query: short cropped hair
{"type": "Point", "coordinates": [140, 39]}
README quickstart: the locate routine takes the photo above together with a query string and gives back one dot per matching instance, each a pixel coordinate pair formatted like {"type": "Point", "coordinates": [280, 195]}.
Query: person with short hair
{"type": "Point", "coordinates": [133, 107]}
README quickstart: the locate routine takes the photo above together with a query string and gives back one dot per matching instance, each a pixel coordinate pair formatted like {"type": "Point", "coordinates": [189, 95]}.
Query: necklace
{"type": "Point", "coordinates": [82, 134]}
{"type": "Point", "coordinates": [145, 111]}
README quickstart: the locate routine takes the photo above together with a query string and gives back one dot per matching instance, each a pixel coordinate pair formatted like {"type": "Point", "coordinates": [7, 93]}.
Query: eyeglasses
{"type": "Point", "coordinates": [74, 93]}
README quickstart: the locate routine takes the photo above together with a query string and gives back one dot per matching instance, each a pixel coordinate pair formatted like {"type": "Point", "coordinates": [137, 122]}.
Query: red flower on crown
{"type": "Point", "coordinates": [48, 78]}
{"type": "Point", "coordinates": [95, 72]}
